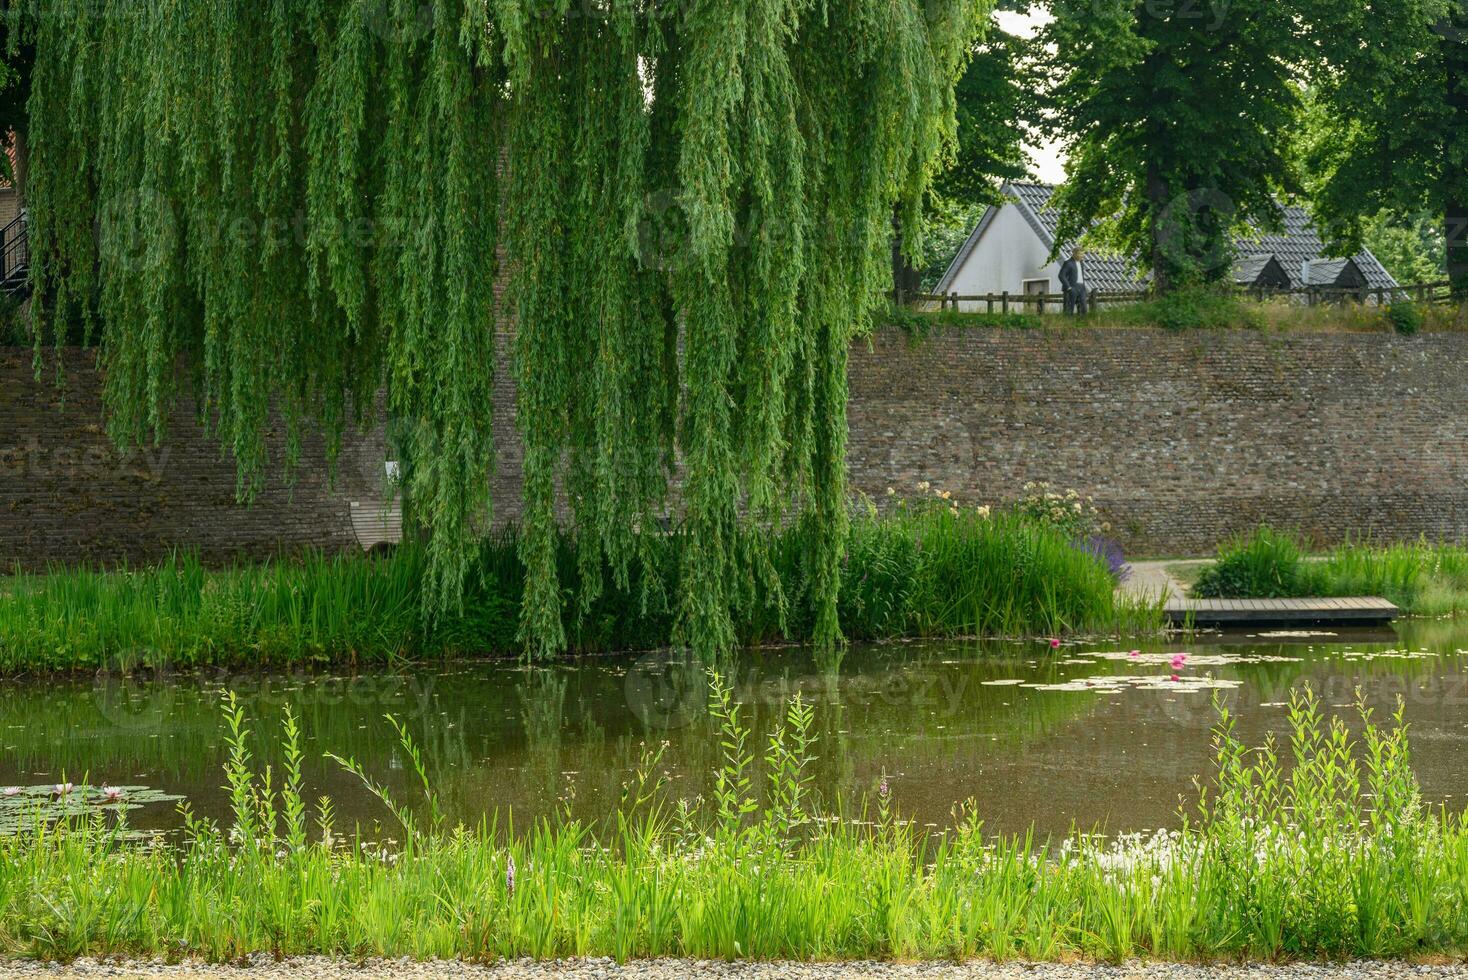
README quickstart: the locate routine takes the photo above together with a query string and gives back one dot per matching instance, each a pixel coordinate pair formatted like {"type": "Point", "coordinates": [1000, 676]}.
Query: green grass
{"type": "Point", "coordinates": [1332, 855]}
{"type": "Point", "coordinates": [1204, 309]}
{"type": "Point", "coordinates": [1267, 564]}
{"type": "Point", "coordinates": [1423, 579]}
{"type": "Point", "coordinates": [931, 571]}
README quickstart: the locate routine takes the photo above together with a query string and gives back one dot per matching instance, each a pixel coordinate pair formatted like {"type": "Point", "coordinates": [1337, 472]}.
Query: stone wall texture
{"type": "Point", "coordinates": [1183, 439]}
{"type": "Point", "coordinates": [68, 496]}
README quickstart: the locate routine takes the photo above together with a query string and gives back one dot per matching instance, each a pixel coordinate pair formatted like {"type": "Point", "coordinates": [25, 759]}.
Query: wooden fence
{"type": "Point", "coordinates": [1007, 302]}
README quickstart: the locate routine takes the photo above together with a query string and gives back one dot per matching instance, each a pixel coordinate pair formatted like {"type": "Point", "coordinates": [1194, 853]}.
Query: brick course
{"type": "Point", "coordinates": [1181, 438]}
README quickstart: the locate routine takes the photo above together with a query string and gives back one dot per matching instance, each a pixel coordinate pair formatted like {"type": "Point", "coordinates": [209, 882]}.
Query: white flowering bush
{"type": "Point", "coordinates": [1065, 510]}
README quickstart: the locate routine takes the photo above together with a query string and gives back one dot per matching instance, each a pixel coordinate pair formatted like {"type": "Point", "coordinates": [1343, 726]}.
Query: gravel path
{"type": "Point", "coordinates": [329, 969]}
{"type": "Point", "coordinates": [1149, 579]}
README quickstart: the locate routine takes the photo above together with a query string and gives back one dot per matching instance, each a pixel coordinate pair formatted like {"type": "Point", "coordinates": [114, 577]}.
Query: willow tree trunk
{"type": "Point", "coordinates": [906, 281]}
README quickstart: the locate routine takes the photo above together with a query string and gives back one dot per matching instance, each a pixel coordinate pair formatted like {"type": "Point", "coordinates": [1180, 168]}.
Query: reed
{"type": "Point", "coordinates": [921, 571]}
{"type": "Point", "coordinates": [1322, 849]}
{"type": "Point", "coordinates": [1423, 578]}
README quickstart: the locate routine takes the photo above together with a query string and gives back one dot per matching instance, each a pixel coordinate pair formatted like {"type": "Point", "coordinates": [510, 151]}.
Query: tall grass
{"type": "Point", "coordinates": [1425, 579]}
{"type": "Point", "coordinates": [1321, 850]}
{"type": "Point", "coordinates": [1422, 578]}
{"type": "Point", "coordinates": [1267, 564]}
{"type": "Point", "coordinates": [925, 571]}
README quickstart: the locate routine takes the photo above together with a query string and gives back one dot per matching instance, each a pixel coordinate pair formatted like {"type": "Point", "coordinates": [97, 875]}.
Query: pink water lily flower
{"type": "Point", "coordinates": [1176, 678]}
{"type": "Point", "coordinates": [61, 789]}
{"type": "Point", "coordinates": [1054, 644]}
{"type": "Point", "coordinates": [1135, 654]}
{"type": "Point", "coordinates": [1179, 660]}
{"type": "Point", "coordinates": [12, 791]}
{"type": "Point", "coordinates": [111, 794]}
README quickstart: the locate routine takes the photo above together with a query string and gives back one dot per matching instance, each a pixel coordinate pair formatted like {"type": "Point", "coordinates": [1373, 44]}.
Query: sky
{"type": "Point", "coordinates": [1047, 160]}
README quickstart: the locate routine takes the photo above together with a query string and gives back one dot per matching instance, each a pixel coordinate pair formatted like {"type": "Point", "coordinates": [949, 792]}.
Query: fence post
{"type": "Point", "coordinates": [990, 299]}
{"type": "Point", "coordinates": [954, 294]}
{"type": "Point", "coordinates": [1005, 299]}
{"type": "Point", "coordinates": [1040, 304]}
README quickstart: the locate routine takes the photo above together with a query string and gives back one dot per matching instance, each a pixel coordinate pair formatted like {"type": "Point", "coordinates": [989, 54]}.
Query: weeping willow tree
{"type": "Point", "coordinates": [301, 210]}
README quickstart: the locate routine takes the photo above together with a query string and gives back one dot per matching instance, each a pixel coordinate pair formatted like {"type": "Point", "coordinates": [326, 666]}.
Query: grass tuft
{"type": "Point", "coordinates": [1331, 856]}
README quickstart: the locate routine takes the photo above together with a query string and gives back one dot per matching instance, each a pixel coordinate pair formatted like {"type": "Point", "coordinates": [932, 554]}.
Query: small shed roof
{"type": "Point", "coordinates": [1296, 243]}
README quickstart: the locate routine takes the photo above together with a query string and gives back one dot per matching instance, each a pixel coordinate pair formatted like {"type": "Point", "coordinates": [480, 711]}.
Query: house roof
{"type": "Point", "coordinates": [1295, 244]}
{"type": "Point", "coordinates": [1247, 268]}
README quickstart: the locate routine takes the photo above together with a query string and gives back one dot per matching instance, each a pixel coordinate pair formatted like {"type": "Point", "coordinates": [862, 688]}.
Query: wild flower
{"type": "Point", "coordinates": [510, 875]}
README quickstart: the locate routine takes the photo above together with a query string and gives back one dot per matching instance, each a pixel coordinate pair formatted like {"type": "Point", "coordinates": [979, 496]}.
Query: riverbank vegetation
{"type": "Point", "coordinates": [1204, 309]}
{"type": "Point", "coordinates": [1422, 578]}
{"type": "Point", "coordinates": [1333, 856]}
{"type": "Point", "coordinates": [927, 569]}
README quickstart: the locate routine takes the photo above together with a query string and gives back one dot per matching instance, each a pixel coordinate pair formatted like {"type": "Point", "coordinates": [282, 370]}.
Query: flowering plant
{"type": "Point", "coordinates": [1066, 510]}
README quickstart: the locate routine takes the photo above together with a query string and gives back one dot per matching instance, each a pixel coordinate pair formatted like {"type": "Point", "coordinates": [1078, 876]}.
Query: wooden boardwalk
{"type": "Point", "coordinates": [1280, 612]}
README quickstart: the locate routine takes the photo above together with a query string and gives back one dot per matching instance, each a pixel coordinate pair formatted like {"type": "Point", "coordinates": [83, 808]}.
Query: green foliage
{"type": "Point", "coordinates": [1405, 317]}
{"type": "Point", "coordinates": [1388, 122]}
{"type": "Point", "coordinates": [921, 571]}
{"type": "Point", "coordinates": [1423, 579]}
{"type": "Point", "coordinates": [1067, 511]}
{"type": "Point", "coordinates": [1191, 308]}
{"type": "Point", "coordinates": [1331, 856]}
{"type": "Point", "coordinates": [309, 207]}
{"type": "Point", "coordinates": [919, 323]}
{"type": "Point", "coordinates": [1172, 116]}
{"type": "Point", "coordinates": [1410, 247]}
{"type": "Point", "coordinates": [1267, 564]}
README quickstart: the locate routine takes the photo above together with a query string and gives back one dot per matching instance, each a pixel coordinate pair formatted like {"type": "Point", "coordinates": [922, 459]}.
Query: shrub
{"type": "Point", "coordinates": [1066, 511]}
{"type": "Point", "coordinates": [1267, 564]}
{"type": "Point", "coordinates": [1191, 308]}
{"type": "Point", "coordinates": [1405, 317]}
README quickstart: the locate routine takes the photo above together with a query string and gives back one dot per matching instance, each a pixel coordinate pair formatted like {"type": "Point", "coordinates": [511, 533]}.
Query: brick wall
{"type": "Point", "coordinates": [66, 495]}
{"type": "Point", "coordinates": [1181, 438]}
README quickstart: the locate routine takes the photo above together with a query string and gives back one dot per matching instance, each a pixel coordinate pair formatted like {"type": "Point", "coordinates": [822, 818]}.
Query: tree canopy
{"type": "Point", "coordinates": [305, 206]}
{"type": "Point", "coordinates": [1176, 118]}
{"type": "Point", "coordinates": [1388, 126]}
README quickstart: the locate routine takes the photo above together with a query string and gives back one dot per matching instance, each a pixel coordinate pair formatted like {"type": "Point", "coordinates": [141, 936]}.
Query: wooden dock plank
{"type": "Point", "coordinates": [1251, 612]}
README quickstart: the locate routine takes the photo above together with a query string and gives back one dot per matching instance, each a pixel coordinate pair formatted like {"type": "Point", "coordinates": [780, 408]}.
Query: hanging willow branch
{"type": "Point", "coordinates": [303, 207]}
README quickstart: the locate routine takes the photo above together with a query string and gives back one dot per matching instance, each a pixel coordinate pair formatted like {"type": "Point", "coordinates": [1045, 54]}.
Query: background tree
{"type": "Point", "coordinates": [995, 111]}
{"type": "Point", "coordinates": [1388, 127]}
{"type": "Point", "coordinates": [305, 203]}
{"type": "Point", "coordinates": [1175, 118]}
{"type": "Point", "coordinates": [1409, 246]}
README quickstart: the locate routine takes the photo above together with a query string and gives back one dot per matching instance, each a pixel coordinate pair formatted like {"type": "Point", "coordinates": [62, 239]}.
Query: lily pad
{"type": "Point", "coordinates": [22, 806]}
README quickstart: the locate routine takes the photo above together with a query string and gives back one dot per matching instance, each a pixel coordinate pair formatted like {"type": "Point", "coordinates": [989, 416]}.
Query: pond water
{"type": "Point", "coordinates": [1087, 734]}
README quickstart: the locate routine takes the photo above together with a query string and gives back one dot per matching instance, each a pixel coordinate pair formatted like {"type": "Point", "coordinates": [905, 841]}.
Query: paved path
{"type": "Point", "coordinates": [329, 969]}
{"type": "Point", "coordinates": [1152, 580]}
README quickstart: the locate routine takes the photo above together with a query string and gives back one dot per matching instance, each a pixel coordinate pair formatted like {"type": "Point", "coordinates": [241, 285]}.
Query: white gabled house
{"type": "Point", "coordinates": [1009, 251]}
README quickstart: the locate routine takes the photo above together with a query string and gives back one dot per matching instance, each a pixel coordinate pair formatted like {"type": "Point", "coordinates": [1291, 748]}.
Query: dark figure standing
{"type": "Point", "coordinates": [1073, 284]}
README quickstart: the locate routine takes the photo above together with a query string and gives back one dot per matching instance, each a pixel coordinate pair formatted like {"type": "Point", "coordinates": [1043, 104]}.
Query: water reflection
{"type": "Point", "coordinates": [1089, 735]}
